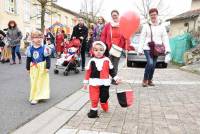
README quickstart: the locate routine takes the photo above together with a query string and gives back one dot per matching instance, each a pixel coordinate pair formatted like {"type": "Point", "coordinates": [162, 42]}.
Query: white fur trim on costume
{"type": "Point", "coordinates": [94, 108]}
{"type": "Point", "coordinates": [97, 82]}
{"type": "Point", "coordinates": [99, 42]}
{"type": "Point", "coordinates": [85, 81]}
{"type": "Point", "coordinates": [99, 63]}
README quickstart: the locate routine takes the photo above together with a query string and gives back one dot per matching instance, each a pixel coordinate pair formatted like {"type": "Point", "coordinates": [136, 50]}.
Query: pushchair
{"type": "Point", "coordinates": [70, 59]}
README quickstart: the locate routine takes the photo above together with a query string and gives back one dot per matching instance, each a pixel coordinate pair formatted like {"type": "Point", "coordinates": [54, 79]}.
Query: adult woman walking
{"type": "Point", "coordinates": [114, 40]}
{"type": "Point", "coordinates": [14, 37]}
{"type": "Point", "coordinates": [98, 29]}
{"type": "Point", "coordinates": [153, 31]}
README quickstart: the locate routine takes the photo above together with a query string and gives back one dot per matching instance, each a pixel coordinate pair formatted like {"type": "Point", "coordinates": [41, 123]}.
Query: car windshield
{"type": "Point", "coordinates": [135, 39]}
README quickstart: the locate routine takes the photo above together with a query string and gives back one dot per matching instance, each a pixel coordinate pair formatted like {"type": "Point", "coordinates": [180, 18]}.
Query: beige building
{"type": "Point", "coordinates": [186, 22]}
{"type": "Point", "coordinates": [26, 13]}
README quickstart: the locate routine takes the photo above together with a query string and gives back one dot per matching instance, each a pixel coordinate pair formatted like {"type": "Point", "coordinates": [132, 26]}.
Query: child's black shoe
{"type": "Point", "coordinates": [93, 114]}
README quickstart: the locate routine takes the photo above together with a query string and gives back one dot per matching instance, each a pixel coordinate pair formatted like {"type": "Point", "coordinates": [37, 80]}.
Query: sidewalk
{"type": "Point", "coordinates": [194, 68]}
{"type": "Point", "coordinates": [171, 107]}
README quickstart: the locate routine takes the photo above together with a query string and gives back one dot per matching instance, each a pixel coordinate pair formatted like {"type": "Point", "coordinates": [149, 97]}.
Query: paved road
{"type": "Point", "coordinates": [15, 108]}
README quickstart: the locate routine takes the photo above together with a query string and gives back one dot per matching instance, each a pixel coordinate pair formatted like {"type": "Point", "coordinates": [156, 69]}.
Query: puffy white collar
{"type": "Point", "coordinates": [99, 63]}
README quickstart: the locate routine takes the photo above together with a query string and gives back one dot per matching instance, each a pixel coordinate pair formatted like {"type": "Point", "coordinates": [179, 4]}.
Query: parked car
{"type": "Point", "coordinates": [133, 58]}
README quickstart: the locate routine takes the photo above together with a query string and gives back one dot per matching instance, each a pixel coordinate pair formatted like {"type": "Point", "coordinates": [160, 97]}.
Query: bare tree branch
{"type": "Point", "coordinates": [90, 9]}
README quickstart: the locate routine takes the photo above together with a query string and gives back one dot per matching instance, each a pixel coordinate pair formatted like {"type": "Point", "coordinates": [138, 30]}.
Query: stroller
{"type": "Point", "coordinates": [70, 59]}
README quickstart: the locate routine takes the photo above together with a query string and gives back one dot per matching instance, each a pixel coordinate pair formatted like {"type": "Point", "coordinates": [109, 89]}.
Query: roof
{"type": "Point", "coordinates": [66, 10]}
{"type": "Point", "coordinates": [186, 15]}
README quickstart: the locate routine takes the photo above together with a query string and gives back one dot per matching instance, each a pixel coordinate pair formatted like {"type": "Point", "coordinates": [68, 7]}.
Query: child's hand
{"type": "Point", "coordinates": [28, 71]}
{"type": "Point", "coordinates": [118, 81]}
{"type": "Point", "coordinates": [85, 86]}
{"type": "Point", "coordinates": [47, 70]}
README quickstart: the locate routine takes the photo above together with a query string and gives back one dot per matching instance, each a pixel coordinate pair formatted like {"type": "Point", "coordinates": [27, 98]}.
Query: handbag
{"type": "Point", "coordinates": [115, 50]}
{"type": "Point", "coordinates": [156, 49]}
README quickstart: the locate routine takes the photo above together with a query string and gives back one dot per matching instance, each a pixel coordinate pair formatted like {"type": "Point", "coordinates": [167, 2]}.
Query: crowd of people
{"type": "Point", "coordinates": [103, 42]}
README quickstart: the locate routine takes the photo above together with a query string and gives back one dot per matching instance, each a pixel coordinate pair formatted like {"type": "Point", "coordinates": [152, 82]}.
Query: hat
{"type": "Point", "coordinates": [99, 43]}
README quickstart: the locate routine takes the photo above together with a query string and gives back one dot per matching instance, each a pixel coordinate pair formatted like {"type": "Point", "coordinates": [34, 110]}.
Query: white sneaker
{"type": "Point", "coordinates": [33, 102]}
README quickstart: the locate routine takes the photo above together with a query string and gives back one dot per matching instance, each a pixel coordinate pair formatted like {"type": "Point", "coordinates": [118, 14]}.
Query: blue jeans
{"type": "Point", "coordinates": [150, 66]}
{"type": "Point", "coordinates": [16, 50]}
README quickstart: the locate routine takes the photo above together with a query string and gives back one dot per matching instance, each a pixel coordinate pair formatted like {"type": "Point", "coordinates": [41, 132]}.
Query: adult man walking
{"type": "Point", "coordinates": [80, 31]}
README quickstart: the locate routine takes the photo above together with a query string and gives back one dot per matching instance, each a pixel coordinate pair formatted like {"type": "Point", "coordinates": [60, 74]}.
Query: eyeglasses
{"type": "Point", "coordinates": [153, 14]}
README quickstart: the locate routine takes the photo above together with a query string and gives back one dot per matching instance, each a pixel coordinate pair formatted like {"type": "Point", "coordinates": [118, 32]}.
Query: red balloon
{"type": "Point", "coordinates": [129, 23]}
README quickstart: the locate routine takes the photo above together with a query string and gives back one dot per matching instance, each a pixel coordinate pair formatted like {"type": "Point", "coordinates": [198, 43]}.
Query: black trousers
{"type": "Point", "coordinates": [83, 49]}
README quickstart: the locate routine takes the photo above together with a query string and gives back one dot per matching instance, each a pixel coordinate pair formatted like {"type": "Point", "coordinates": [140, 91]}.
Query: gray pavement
{"type": "Point", "coordinates": [171, 107]}
{"type": "Point", "coordinates": [15, 110]}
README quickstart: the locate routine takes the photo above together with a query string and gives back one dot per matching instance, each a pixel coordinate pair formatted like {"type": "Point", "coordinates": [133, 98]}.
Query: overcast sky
{"type": "Point", "coordinates": [170, 7]}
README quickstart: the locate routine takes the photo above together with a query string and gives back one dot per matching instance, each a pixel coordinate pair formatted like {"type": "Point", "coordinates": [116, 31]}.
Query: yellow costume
{"type": "Point", "coordinates": [38, 61]}
{"type": "Point", "coordinates": [39, 82]}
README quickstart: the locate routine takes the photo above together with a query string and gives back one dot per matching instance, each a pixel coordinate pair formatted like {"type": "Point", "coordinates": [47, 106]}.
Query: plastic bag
{"type": "Point", "coordinates": [168, 58]}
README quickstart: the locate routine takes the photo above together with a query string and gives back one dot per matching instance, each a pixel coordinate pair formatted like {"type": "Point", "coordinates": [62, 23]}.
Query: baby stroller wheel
{"type": "Point", "coordinates": [65, 73]}
{"type": "Point", "coordinates": [76, 71]}
{"type": "Point", "coordinates": [56, 71]}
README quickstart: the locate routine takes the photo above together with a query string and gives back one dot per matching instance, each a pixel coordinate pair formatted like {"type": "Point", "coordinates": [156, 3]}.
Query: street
{"type": "Point", "coordinates": [15, 109]}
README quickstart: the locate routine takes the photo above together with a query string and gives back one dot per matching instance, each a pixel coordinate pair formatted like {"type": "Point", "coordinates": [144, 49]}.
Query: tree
{"type": "Point", "coordinates": [144, 6]}
{"type": "Point", "coordinates": [90, 9]}
{"type": "Point", "coordinates": [43, 5]}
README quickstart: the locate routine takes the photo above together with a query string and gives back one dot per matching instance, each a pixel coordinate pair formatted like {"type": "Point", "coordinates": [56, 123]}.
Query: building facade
{"type": "Point", "coordinates": [186, 22]}
{"type": "Point", "coordinates": [27, 14]}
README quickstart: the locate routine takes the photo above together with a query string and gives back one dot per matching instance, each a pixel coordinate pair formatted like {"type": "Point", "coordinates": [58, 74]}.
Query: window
{"type": "Point", "coordinates": [11, 6]}
{"type": "Point", "coordinates": [27, 8]}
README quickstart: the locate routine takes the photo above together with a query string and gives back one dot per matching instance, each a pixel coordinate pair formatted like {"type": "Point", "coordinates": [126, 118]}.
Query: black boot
{"type": "Point", "coordinates": [93, 114]}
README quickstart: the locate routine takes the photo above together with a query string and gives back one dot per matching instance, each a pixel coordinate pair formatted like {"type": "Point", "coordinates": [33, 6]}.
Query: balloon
{"type": "Point", "coordinates": [129, 23]}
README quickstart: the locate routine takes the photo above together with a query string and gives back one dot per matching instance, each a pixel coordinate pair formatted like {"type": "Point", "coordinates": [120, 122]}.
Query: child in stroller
{"type": "Point", "coordinates": [70, 59]}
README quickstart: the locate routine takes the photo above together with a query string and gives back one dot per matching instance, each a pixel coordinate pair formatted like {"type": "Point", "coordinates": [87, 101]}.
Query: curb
{"type": "Point", "coordinates": [50, 121]}
{"type": "Point", "coordinates": [190, 70]}
{"type": "Point", "coordinates": [55, 117]}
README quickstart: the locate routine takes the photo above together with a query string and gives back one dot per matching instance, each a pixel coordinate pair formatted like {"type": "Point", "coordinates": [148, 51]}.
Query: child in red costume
{"type": "Point", "coordinates": [98, 72]}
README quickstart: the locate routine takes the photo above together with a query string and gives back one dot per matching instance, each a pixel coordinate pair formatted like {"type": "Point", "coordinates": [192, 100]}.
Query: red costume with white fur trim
{"type": "Point", "coordinates": [98, 74]}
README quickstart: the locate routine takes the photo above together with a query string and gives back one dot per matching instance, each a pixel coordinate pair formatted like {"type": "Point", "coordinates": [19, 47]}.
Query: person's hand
{"type": "Point", "coordinates": [81, 38]}
{"type": "Point", "coordinates": [140, 52]}
{"type": "Point", "coordinates": [118, 81]}
{"type": "Point", "coordinates": [73, 37]}
{"type": "Point", "coordinates": [85, 86]}
{"type": "Point", "coordinates": [28, 71]}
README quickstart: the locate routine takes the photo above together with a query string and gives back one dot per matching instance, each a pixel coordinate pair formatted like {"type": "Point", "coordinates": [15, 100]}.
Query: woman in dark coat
{"type": "Point", "coordinates": [14, 37]}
